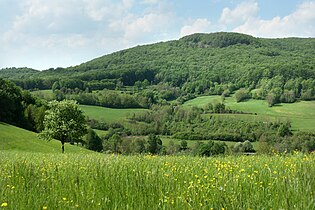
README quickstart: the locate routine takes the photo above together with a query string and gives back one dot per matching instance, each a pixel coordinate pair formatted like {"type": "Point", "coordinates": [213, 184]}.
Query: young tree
{"type": "Point", "coordinates": [154, 144]}
{"type": "Point", "coordinates": [113, 144]}
{"type": "Point", "coordinates": [271, 99]}
{"type": "Point", "coordinates": [241, 95]}
{"type": "Point", "coordinates": [183, 145]}
{"type": "Point", "coordinates": [64, 121]}
{"type": "Point", "coordinates": [93, 141]}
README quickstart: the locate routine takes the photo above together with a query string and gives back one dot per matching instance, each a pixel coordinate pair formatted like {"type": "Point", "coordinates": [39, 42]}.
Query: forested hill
{"type": "Point", "coordinates": [198, 63]}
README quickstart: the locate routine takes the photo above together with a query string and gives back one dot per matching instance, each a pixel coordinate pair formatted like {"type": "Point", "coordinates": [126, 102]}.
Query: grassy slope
{"type": "Point", "coordinates": [107, 114]}
{"type": "Point", "coordinates": [17, 139]}
{"type": "Point", "coordinates": [301, 114]}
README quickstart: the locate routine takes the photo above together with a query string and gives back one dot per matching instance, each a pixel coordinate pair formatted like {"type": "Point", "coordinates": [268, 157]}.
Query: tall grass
{"type": "Point", "coordinates": [74, 181]}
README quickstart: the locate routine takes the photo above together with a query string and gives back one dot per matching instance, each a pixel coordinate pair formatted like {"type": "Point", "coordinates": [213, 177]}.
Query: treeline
{"type": "Point", "coordinates": [115, 142]}
{"type": "Point", "coordinates": [298, 141]}
{"type": "Point", "coordinates": [138, 96]}
{"type": "Point", "coordinates": [20, 108]}
{"type": "Point", "coordinates": [194, 124]}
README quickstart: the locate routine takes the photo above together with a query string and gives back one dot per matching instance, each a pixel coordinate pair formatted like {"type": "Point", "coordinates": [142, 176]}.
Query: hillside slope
{"type": "Point", "coordinates": [17, 139]}
{"type": "Point", "coordinates": [196, 64]}
{"type": "Point", "coordinates": [221, 57]}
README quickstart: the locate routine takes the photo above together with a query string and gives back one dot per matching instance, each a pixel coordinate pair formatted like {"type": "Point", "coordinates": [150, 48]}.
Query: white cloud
{"type": "Point", "coordinates": [199, 25]}
{"type": "Point", "coordinates": [300, 23]}
{"type": "Point", "coordinates": [134, 28]}
{"type": "Point", "coordinates": [240, 14]}
{"type": "Point", "coordinates": [83, 29]}
{"type": "Point", "coordinates": [99, 10]}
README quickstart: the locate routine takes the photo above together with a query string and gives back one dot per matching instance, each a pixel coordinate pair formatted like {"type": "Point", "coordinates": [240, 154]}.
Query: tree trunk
{"type": "Point", "coordinates": [63, 147]}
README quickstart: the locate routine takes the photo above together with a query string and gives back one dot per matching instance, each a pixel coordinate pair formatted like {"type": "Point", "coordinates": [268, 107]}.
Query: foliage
{"type": "Point", "coordinates": [20, 107]}
{"type": "Point", "coordinates": [240, 147]}
{"type": "Point", "coordinates": [192, 124]}
{"type": "Point", "coordinates": [10, 102]}
{"type": "Point", "coordinates": [241, 95]}
{"type": "Point", "coordinates": [154, 144]}
{"type": "Point", "coordinates": [299, 141]}
{"type": "Point", "coordinates": [211, 148]}
{"type": "Point", "coordinates": [64, 121]}
{"type": "Point", "coordinates": [194, 65]}
{"type": "Point", "coordinates": [113, 144]}
{"type": "Point", "coordinates": [93, 141]}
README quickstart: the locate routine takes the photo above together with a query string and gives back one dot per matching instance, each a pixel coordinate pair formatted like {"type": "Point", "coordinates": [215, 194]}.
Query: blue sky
{"type": "Point", "coordinates": [42, 34]}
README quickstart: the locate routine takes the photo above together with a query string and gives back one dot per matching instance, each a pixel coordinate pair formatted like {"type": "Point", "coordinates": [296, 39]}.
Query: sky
{"type": "Point", "coordinates": [44, 34]}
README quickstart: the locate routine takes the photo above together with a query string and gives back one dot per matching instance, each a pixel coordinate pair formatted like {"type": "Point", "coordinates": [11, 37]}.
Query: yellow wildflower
{"type": "Point", "coordinates": [4, 204]}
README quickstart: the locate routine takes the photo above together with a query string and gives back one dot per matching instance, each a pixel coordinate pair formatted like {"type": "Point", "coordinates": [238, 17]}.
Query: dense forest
{"type": "Point", "coordinates": [281, 70]}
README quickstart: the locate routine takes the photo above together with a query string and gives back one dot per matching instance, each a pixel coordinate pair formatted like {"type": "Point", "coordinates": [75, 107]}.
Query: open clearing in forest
{"type": "Point", "coordinates": [108, 115]}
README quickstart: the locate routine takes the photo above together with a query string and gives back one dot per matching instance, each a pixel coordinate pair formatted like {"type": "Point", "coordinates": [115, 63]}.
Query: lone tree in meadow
{"type": "Point", "coordinates": [65, 122]}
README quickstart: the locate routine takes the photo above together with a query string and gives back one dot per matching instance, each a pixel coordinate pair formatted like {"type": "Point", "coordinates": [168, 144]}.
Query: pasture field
{"type": "Point", "coordinates": [96, 181]}
{"type": "Point", "coordinates": [301, 114]}
{"type": "Point", "coordinates": [108, 115]}
{"type": "Point", "coordinates": [17, 139]}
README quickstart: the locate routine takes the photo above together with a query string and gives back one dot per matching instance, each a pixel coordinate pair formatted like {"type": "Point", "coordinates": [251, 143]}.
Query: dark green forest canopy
{"type": "Point", "coordinates": [206, 59]}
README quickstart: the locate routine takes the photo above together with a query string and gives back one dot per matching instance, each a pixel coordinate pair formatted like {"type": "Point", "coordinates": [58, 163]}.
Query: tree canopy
{"type": "Point", "coordinates": [64, 121]}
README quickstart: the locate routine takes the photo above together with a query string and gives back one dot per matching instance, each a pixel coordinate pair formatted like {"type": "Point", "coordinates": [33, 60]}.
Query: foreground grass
{"type": "Point", "coordinates": [76, 181]}
{"type": "Point", "coordinates": [301, 114]}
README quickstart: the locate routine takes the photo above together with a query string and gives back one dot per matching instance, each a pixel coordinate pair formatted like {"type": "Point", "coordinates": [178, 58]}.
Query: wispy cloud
{"type": "Point", "coordinates": [240, 14]}
{"type": "Point", "coordinates": [299, 23]}
{"type": "Point", "coordinates": [197, 26]}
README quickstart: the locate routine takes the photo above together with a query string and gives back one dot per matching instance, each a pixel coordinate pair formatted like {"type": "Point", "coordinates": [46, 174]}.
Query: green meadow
{"type": "Point", "coordinates": [17, 139]}
{"type": "Point", "coordinates": [300, 114]}
{"type": "Point", "coordinates": [108, 115]}
{"type": "Point", "coordinates": [96, 181]}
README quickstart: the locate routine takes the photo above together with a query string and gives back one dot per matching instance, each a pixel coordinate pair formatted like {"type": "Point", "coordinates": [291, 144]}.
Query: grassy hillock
{"type": "Point", "coordinates": [17, 139]}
